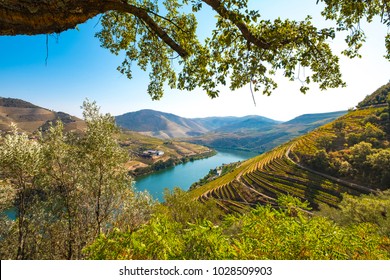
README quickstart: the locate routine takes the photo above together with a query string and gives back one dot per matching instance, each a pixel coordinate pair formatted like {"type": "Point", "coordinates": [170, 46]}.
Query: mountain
{"type": "Point", "coordinates": [159, 124]}
{"type": "Point", "coordinates": [165, 125]}
{"type": "Point", "coordinates": [314, 119]}
{"type": "Point", "coordinates": [248, 123]}
{"type": "Point", "coordinates": [253, 133]}
{"type": "Point", "coordinates": [228, 124]}
{"type": "Point", "coordinates": [259, 135]}
{"type": "Point", "coordinates": [29, 117]}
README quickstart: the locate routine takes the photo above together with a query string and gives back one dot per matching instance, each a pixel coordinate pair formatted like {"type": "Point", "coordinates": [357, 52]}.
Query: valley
{"type": "Point", "coordinates": [207, 130]}
{"type": "Point", "coordinates": [249, 133]}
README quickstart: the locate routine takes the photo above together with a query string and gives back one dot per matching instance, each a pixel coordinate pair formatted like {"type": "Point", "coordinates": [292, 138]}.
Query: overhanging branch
{"type": "Point", "coordinates": [31, 17]}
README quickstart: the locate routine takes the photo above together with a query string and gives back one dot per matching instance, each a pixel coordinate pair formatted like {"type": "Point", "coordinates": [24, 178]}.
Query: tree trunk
{"type": "Point", "coordinates": [31, 17]}
{"type": "Point", "coordinates": [47, 16]}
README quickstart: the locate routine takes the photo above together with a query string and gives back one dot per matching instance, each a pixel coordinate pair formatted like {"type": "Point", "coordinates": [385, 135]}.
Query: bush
{"type": "Point", "coordinates": [263, 233]}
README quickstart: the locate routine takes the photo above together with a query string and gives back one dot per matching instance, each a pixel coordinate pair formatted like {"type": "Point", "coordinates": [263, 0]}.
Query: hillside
{"type": "Point", "coordinates": [349, 155]}
{"type": "Point", "coordinates": [235, 124]}
{"type": "Point", "coordinates": [159, 124]}
{"type": "Point", "coordinates": [30, 118]}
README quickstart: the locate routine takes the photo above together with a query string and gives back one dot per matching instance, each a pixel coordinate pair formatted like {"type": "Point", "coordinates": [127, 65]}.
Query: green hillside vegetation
{"type": "Point", "coordinates": [186, 229]}
{"type": "Point", "coordinates": [355, 148]}
{"type": "Point", "coordinates": [309, 168]}
{"type": "Point", "coordinates": [379, 97]}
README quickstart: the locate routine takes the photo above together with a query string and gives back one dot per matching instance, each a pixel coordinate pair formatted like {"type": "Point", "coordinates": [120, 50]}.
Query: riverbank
{"type": "Point", "coordinates": [149, 154]}
{"type": "Point", "coordinates": [167, 163]}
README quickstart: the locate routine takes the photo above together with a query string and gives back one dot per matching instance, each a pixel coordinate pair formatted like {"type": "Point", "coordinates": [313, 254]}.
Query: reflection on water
{"type": "Point", "coordinates": [184, 175]}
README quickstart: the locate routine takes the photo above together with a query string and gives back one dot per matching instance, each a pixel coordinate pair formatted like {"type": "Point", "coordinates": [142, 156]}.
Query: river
{"type": "Point", "coordinates": [183, 175]}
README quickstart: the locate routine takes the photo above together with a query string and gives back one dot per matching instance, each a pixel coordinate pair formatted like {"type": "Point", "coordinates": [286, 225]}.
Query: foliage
{"type": "Point", "coordinates": [182, 208]}
{"type": "Point", "coordinates": [21, 162]}
{"type": "Point", "coordinates": [380, 163]}
{"type": "Point", "coordinates": [66, 190]}
{"type": "Point", "coordinates": [380, 96]}
{"type": "Point", "coordinates": [243, 47]}
{"type": "Point", "coordinates": [354, 147]}
{"type": "Point", "coordinates": [348, 15]}
{"type": "Point", "coordinates": [262, 233]}
{"type": "Point", "coordinates": [373, 209]}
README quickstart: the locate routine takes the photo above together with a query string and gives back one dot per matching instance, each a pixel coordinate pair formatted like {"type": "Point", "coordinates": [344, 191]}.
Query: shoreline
{"type": "Point", "coordinates": [162, 165]}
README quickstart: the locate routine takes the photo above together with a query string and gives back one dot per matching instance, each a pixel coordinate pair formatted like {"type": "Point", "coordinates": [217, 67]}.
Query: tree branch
{"type": "Point", "coordinates": [237, 21]}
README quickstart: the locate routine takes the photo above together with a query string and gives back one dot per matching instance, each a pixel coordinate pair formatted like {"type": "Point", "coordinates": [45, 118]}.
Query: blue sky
{"type": "Point", "coordinates": [78, 68]}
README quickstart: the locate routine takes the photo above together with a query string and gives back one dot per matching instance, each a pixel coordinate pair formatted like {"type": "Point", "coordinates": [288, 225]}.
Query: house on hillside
{"type": "Point", "coordinates": [152, 153]}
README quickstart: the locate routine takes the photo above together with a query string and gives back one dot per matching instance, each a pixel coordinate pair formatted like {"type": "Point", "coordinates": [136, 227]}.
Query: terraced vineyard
{"type": "Point", "coordinates": [263, 178]}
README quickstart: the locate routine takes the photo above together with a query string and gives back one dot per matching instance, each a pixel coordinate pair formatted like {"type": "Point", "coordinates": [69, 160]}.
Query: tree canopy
{"type": "Point", "coordinates": [244, 48]}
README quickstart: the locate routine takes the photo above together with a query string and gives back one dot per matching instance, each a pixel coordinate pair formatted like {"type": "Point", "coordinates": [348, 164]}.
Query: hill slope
{"type": "Point", "coordinates": [29, 117]}
{"type": "Point", "coordinates": [349, 155]}
{"type": "Point", "coordinates": [159, 124]}
{"type": "Point", "coordinates": [377, 97]}
{"type": "Point", "coordinates": [173, 152]}
{"type": "Point", "coordinates": [281, 171]}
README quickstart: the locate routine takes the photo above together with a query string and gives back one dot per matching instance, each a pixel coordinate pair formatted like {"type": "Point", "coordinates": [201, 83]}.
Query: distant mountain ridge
{"type": "Point", "coordinates": [253, 133]}
{"type": "Point", "coordinates": [167, 125]}
{"type": "Point", "coordinates": [231, 123]}
{"type": "Point", "coordinates": [313, 118]}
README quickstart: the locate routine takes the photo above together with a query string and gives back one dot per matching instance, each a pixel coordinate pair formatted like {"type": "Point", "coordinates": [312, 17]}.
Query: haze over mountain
{"type": "Point", "coordinates": [253, 133]}
{"type": "Point", "coordinates": [29, 117]}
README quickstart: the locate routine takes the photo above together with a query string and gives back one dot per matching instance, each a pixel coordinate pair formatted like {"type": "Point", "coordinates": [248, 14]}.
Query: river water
{"type": "Point", "coordinates": [183, 175]}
